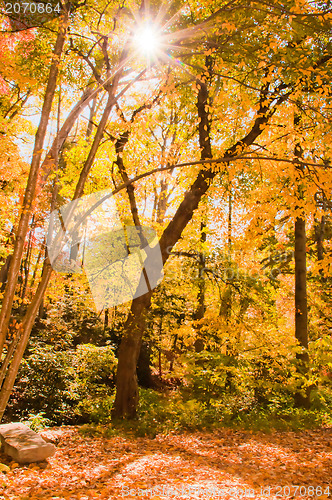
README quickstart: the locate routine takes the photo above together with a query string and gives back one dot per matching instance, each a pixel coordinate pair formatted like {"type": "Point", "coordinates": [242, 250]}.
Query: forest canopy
{"type": "Point", "coordinates": [205, 130]}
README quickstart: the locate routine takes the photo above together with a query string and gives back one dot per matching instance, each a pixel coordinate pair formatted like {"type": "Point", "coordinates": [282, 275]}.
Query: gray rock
{"type": "Point", "coordinates": [23, 444]}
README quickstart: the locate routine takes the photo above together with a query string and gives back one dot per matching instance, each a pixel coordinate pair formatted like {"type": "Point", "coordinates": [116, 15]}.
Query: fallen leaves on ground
{"type": "Point", "coordinates": [225, 464]}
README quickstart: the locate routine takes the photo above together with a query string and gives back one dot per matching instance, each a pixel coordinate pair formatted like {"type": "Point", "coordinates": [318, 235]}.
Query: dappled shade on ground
{"type": "Point", "coordinates": [225, 464]}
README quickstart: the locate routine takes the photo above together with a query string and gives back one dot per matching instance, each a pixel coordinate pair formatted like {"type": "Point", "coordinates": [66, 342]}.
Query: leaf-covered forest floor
{"type": "Point", "coordinates": [225, 464]}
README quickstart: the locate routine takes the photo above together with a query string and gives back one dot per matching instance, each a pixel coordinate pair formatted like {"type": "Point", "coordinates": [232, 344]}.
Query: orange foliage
{"type": "Point", "coordinates": [199, 465]}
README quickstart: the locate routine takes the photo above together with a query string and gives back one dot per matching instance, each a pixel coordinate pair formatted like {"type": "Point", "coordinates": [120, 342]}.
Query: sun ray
{"type": "Point", "coordinates": [155, 37]}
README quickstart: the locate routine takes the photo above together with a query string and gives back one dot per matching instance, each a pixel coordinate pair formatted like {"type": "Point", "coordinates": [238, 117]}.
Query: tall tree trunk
{"type": "Point", "coordinates": [92, 116]}
{"type": "Point", "coordinates": [34, 275]}
{"type": "Point", "coordinates": [162, 201]}
{"type": "Point", "coordinates": [106, 319]}
{"type": "Point", "coordinates": [31, 184]}
{"type": "Point", "coordinates": [126, 399]}
{"type": "Point", "coordinates": [302, 396]}
{"type": "Point", "coordinates": [143, 361]}
{"type": "Point", "coordinates": [4, 272]}
{"type": "Point", "coordinates": [144, 375]}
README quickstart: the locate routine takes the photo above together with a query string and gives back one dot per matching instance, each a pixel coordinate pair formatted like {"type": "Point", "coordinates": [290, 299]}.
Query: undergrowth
{"type": "Point", "coordinates": [167, 412]}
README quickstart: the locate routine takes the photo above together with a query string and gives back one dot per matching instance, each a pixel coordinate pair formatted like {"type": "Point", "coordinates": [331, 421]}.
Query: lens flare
{"type": "Point", "coordinates": [147, 40]}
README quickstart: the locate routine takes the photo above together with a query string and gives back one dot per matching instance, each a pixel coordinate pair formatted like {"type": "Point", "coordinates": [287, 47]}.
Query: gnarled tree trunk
{"type": "Point", "coordinates": [125, 405]}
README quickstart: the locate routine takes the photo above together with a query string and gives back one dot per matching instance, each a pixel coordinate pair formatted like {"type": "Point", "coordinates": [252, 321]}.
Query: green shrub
{"type": "Point", "coordinates": [241, 382]}
{"type": "Point", "coordinates": [94, 382]}
{"type": "Point", "coordinates": [65, 387]}
{"type": "Point", "coordinates": [211, 372]}
{"type": "Point", "coordinates": [94, 366]}
{"type": "Point", "coordinates": [42, 386]}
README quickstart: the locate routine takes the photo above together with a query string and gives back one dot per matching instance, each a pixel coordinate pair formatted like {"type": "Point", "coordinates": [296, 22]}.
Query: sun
{"type": "Point", "coordinates": [147, 40]}
{"type": "Point", "coordinates": [155, 37]}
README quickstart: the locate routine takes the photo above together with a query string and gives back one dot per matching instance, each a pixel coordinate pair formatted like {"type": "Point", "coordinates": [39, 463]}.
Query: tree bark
{"type": "Point", "coordinates": [302, 396]}
{"type": "Point", "coordinates": [34, 275]}
{"type": "Point", "coordinates": [4, 272]}
{"type": "Point", "coordinates": [26, 266]}
{"type": "Point", "coordinates": [6, 264]}
{"type": "Point", "coordinates": [106, 319]}
{"type": "Point", "coordinates": [162, 201]}
{"type": "Point", "coordinates": [126, 400]}
{"type": "Point", "coordinates": [144, 375]}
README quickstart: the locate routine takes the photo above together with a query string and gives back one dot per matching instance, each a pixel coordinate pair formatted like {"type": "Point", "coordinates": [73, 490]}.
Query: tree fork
{"type": "Point", "coordinates": [125, 405]}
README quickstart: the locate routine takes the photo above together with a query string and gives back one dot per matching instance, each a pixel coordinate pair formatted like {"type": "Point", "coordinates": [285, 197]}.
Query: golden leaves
{"type": "Point", "coordinates": [226, 460]}
{"type": "Point", "coordinates": [227, 26]}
